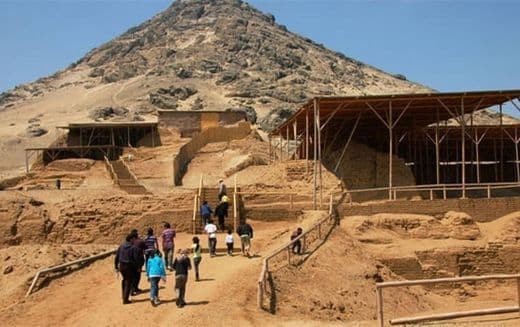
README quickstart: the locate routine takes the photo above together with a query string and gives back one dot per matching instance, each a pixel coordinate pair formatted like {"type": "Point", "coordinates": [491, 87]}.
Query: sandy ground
{"type": "Point", "coordinates": [91, 297]}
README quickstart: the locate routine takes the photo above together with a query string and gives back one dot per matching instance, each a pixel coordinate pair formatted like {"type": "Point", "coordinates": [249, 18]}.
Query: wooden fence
{"type": "Point", "coordinates": [66, 265]}
{"type": "Point", "coordinates": [317, 232]}
{"type": "Point", "coordinates": [451, 315]}
{"type": "Point", "coordinates": [433, 189]}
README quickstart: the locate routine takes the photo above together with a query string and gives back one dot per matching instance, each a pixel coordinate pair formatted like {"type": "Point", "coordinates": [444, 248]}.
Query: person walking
{"type": "Point", "coordinates": [245, 231]}
{"type": "Point", "coordinates": [221, 213]}
{"type": "Point", "coordinates": [297, 245]}
{"type": "Point", "coordinates": [126, 264]}
{"type": "Point", "coordinates": [197, 257]}
{"type": "Point", "coordinates": [222, 189]}
{"type": "Point", "coordinates": [229, 242]}
{"type": "Point", "coordinates": [155, 271]}
{"type": "Point", "coordinates": [181, 265]}
{"type": "Point", "coordinates": [205, 212]}
{"type": "Point", "coordinates": [151, 245]}
{"type": "Point", "coordinates": [211, 230]}
{"type": "Point", "coordinates": [168, 245]}
{"type": "Point", "coordinates": [140, 247]}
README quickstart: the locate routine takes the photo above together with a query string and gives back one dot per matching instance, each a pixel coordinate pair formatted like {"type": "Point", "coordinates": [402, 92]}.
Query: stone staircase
{"type": "Point", "coordinates": [210, 194]}
{"type": "Point", "coordinates": [126, 180]}
{"type": "Point", "coordinates": [296, 170]}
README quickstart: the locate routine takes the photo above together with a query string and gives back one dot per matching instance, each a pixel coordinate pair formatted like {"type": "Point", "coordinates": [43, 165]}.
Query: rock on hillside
{"type": "Point", "coordinates": [228, 52]}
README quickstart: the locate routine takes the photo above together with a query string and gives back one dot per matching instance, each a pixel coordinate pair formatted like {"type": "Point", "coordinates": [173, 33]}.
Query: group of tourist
{"type": "Point", "coordinates": [135, 253]}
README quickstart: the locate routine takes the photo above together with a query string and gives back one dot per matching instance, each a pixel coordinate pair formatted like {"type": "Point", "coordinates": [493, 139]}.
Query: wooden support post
{"type": "Point", "coordinates": [291, 201]}
{"type": "Point", "coordinates": [319, 155]}
{"type": "Point", "coordinates": [281, 146]}
{"type": "Point", "coordinates": [463, 148]}
{"type": "Point", "coordinates": [501, 144]}
{"type": "Point", "coordinates": [295, 136]}
{"type": "Point", "coordinates": [489, 191]}
{"type": "Point", "coordinates": [390, 150]}
{"type": "Point", "coordinates": [379, 299]}
{"type": "Point", "coordinates": [444, 191]}
{"type": "Point", "coordinates": [287, 140]}
{"type": "Point", "coordinates": [153, 137]}
{"type": "Point", "coordinates": [516, 156]}
{"type": "Point", "coordinates": [437, 152]}
{"type": "Point", "coordinates": [307, 140]}
{"type": "Point", "coordinates": [315, 152]}
{"type": "Point", "coordinates": [518, 292]}
{"type": "Point", "coordinates": [270, 149]}
{"type": "Point", "coordinates": [348, 142]}
{"type": "Point", "coordinates": [431, 194]}
{"type": "Point", "coordinates": [26, 162]}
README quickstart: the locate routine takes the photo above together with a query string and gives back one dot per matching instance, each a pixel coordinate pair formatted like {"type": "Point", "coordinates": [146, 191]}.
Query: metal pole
{"type": "Point", "coordinates": [315, 150]}
{"type": "Point", "coordinates": [390, 149]}
{"type": "Point", "coordinates": [437, 154]}
{"type": "Point", "coordinates": [463, 148]}
{"type": "Point", "coordinates": [307, 141]}
{"type": "Point", "coordinates": [319, 155]}
{"type": "Point", "coordinates": [379, 296]}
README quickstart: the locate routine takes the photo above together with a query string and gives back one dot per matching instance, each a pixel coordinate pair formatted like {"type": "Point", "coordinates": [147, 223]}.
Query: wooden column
{"type": "Point", "coordinates": [437, 152]}
{"type": "Point", "coordinates": [287, 140]}
{"type": "Point", "coordinates": [501, 144]}
{"type": "Point", "coordinates": [295, 136]}
{"type": "Point", "coordinates": [390, 150]}
{"type": "Point", "coordinates": [315, 152]}
{"type": "Point", "coordinates": [307, 140]}
{"type": "Point", "coordinates": [463, 147]}
{"type": "Point", "coordinates": [319, 153]}
{"type": "Point", "coordinates": [281, 146]}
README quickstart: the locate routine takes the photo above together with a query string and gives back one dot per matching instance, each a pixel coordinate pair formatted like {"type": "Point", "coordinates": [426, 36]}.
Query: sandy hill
{"type": "Point", "coordinates": [202, 55]}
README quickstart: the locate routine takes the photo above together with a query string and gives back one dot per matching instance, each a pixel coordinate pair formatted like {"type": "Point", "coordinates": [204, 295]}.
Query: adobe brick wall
{"type": "Point", "coordinates": [482, 210]}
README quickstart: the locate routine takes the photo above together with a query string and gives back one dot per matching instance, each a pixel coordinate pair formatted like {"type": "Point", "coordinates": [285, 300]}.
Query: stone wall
{"type": "Point", "coordinates": [482, 210]}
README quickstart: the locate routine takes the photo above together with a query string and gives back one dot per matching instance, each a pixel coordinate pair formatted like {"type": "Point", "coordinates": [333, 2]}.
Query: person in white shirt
{"type": "Point", "coordinates": [211, 230]}
{"type": "Point", "coordinates": [229, 242]}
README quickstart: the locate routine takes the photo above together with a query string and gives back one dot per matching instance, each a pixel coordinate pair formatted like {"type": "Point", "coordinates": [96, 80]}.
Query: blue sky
{"type": "Point", "coordinates": [448, 45]}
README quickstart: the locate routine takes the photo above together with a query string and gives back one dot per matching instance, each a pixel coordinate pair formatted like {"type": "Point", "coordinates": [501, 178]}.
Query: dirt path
{"type": "Point", "coordinates": [91, 297]}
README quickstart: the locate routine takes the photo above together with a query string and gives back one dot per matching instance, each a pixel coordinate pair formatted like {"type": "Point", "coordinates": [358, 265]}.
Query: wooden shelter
{"type": "Point", "coordinates": [412, 126]}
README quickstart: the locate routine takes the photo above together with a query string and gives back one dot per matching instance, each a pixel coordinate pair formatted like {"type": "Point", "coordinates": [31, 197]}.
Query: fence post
{"type": "Point", "coordinates": [518, 292]}
{"type": "Point", "coordinates": [431, 194]}
{"type": "Point", "coordinates": [444, 192]}
{"type": "Point", "coordinates": [395, 194]}
{"type": "Point", "coordinates": [379, 295]}
{"type": "Point", "coordinates": [489, 191]}
{"type": "Point", "coordinates": [291, 199]}
{"type": "Point", "coordinates": [235, 210]}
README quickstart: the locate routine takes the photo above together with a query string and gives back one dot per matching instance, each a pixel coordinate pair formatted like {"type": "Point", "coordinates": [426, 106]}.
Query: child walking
{"type": "Point", "coordinates": [197, 258]}
{"type": "Point", "coordinates": [229, 242]}
{"type": "Point", "coordinates": [155, 271]}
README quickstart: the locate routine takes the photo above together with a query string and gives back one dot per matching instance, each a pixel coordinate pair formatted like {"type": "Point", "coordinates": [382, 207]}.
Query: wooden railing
{"type": "Point", "coordinates": [305, 238]}
{"type": "Point", "coordinates": [196, 203]}
{"type": "Point", "coordinates": [66, 265]}
{"type": "Point", "coordinates": [433, 188]}
{"type": "Point", "coordinates": [111, 171]}
{"type": "Point", "coordinates": [451, 315]}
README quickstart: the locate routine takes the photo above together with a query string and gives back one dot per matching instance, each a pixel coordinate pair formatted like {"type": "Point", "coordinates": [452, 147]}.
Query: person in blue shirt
{"type": "Point", "coordinates": [155, 271]}
{"type": "Point", "coordinates": [205, 212]}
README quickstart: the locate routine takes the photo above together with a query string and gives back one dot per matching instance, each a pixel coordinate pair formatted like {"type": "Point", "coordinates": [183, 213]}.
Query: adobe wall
{"type": "Point", "coordinates": [199, 140]}
{"type": "Point", "coordinates": [495, 258]}
{"type": "Point", "coordinates": [189, 122]}
{"type": "Point", "coordinates": [482, 210]}
{"type": "Point", "coordinates": [364, 167]}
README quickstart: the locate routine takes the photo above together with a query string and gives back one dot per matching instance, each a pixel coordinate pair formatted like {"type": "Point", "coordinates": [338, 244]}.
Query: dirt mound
{"type": "Point", "coordinates": [18, 265]}
{"type": "Point", "coordinates": [343, 280]}
{"type": "Point", "coordinates": [505, 229]}
{"type": "Point", "coordinates": [70, 165]}
{"type": "Point", "coordinates": [383, 228]}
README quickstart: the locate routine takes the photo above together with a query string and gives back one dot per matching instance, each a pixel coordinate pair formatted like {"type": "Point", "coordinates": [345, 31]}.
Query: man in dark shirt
{"type": "Point", "coordinates": [245, 231]}
{"type": "Point", "coordinates": [140, 247]}
{"type": "Point", "coordinates": [126, 263]}
{"type": "Point", "coordinates": [181, 265]}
